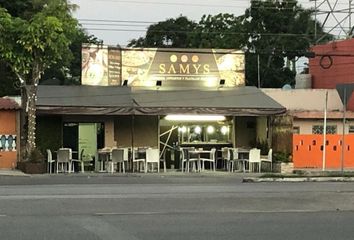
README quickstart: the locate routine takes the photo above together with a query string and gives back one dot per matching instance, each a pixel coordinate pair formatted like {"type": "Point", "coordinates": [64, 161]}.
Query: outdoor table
{"type": "Point", "coordinates": [197, 152]}
{"type": "Point", "coordinates": [104, 156]}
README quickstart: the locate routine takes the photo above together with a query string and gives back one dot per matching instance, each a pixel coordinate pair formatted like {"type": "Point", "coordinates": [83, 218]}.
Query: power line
{"type": "Point", "coordinates": [172, 4]}
{"type": "Point", "coordinates": [108, 20]}
{"type": "Point", "coordinates": [200, 32]}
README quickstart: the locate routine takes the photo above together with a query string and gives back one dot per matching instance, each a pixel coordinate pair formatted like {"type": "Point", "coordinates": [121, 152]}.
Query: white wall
{"type": "Point", "coordinates": [306, 125]}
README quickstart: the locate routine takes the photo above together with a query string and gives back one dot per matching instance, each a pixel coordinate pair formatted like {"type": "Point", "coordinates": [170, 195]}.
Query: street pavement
{"type": "Point", "coordinates": [172, 206]}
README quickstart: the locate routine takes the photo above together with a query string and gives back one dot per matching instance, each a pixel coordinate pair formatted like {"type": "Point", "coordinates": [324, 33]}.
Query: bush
{"type": "Point", "coordinates": [36, 156]}
{"type": "Point", "coordinates": [281, 157]}
{"type": "Point", "coordinates": [262, 145]}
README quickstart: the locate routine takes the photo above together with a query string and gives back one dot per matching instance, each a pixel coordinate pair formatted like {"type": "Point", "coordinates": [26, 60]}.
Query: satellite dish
{"type": "Point", "coordinates": [287, 87]}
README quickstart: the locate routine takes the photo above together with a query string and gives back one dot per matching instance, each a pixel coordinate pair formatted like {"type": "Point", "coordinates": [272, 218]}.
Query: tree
{"type": "Point", "coordinates": [30, 46]}
{"type": "Point", "coordinates": [169, 33]}
{"type": "Point", "coordinates": [279, 31]}
{"type": "Point", "coordinates": [219, 31]}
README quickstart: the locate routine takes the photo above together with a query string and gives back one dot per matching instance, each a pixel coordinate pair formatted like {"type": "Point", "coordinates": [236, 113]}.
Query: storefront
{"type": "Point", "coordinates": [159, 98]}
{"type": "Point", "coordinates": [144, 117]}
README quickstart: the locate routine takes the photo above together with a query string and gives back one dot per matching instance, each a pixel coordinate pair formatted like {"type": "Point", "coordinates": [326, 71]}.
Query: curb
{"type": "Point", "coordinates": [13, 173]}
{"type": "Point", "coordinates": [299, 179]}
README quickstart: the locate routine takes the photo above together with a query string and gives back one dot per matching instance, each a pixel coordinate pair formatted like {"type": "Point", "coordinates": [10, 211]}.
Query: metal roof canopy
{"type": "Point", "coordinates": [118, 100]}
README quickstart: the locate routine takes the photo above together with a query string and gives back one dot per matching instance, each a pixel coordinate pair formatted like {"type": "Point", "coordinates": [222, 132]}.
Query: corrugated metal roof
{"type": "Point", "coordinates": [8, 104]}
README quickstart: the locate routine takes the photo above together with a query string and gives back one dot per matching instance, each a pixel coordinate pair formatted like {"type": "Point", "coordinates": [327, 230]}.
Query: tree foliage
{"type": "Point", "coordinates": [219, 31]}
{"type": "Point", "coordinates": [65, 71]}
{"type": "Point", "coordinates": [170, 33]}
{"type": "Point", "coordinates": [279, 31]}
{"type": "Point", "coordinates": [32, 43]}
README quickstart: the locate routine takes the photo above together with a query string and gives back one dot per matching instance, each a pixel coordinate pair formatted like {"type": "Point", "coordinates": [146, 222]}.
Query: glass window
{"type": "Point", "coordinates": [210, 133]}
{"type": "Point", "coordinates": [351, 129]}
{"type": "Point", "coordinates": [318, 129]}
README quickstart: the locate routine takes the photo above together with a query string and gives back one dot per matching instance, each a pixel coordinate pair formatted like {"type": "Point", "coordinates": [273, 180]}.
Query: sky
{"type": "Point", "coordinates": [128, 19]}
{"type": "Point", "coordinates": [135, 16]}
{"type": "Point", "coordinates": [116, 22]}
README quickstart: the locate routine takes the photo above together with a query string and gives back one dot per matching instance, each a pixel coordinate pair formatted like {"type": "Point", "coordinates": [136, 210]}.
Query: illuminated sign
{"type": "Point", "coordinates": [144, 66]}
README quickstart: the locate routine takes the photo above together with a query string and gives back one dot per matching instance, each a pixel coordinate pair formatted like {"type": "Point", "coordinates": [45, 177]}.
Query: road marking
{"type": "Point", "coordinates": [3, 215]}
{"type": "Point", "coordinates": [231, 211]}
{"type": "Point", "coordinates": [133, 213]}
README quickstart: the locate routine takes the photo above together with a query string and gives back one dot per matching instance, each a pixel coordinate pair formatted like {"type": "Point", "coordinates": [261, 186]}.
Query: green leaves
{"type": "Point", "coordinates": [42, 40]}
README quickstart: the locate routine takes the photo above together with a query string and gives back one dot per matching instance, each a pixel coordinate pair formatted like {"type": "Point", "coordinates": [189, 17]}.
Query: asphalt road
{"type": "Point", "coordinates": [172, 207]}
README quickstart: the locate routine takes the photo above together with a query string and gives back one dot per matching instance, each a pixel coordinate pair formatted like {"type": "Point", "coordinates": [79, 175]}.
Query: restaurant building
{"type": "Point", "coordinates": [159, 98]}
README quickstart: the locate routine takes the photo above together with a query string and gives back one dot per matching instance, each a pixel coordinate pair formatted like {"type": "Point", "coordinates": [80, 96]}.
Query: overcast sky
{"type": "Point", "coordinates": [119, 21]}
{"type": "Point", "coordinates": [141, 13]}
{"type": "Point", "coordinates": [128, 19]}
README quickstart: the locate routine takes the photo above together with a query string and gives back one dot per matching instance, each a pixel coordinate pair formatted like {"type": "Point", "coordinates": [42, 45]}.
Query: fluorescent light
{"type": "Point", "coordinates": [195, 118]}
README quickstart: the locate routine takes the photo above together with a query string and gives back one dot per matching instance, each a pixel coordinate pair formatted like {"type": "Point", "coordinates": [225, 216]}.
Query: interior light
{"type": "Point", "coordinates": [195, 118]}
{"type": "Point", "coordinates": [210, 129]}
{"type": "Point", "coordinates": [224, 130]}
{"type": "Point", "coordinates": [197, 130]}
{"type": "Point", "coordinates": [182, 129]}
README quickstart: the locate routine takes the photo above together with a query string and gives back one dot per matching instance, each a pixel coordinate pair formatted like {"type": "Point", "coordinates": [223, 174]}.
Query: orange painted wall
{"type": "Point", "coordinates": [308, 151]}
{"type": "Point", "coordinates": [341, 70]}
{"type": "Point", "coordinates": [8, 159]}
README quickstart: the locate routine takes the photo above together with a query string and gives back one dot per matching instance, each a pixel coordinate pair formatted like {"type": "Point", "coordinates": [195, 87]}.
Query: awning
{"type": "Point", "coordinates": [113, 100]}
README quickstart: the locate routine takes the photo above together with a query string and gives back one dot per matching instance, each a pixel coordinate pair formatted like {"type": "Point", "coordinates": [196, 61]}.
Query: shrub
{"type": "Point", "coordinates": [281, 157]}
{"type": "Point", "coordinates": [36, 156]}
{"type": "Point", "coordinates": [262, 145]}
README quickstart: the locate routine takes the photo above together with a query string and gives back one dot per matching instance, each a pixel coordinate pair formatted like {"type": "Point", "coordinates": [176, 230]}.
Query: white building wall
{"type": "Point", "coordinates": [305, 126]}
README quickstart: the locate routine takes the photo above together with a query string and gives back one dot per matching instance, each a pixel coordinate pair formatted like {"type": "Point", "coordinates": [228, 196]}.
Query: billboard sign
{"type": "Point", "coordinates": [144, 66]}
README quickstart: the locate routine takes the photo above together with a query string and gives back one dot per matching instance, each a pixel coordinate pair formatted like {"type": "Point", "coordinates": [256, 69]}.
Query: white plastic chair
{"type": "Point", "coordinates": [137, 161]}
{"type": "Point", "coordinates": [118, 158]}
{"type": "Point", "coordinates": [211, 159]}
{"type": "Point", "coordinates": [184, 159]}
{"type": "Point", "coordinates": [187, 160]}
{"type": "Point", "coordinates": [63, 158]}
{"type": "Point", "coordinates": [80, 161]}
{"type": "Point", "coordinates": [152, 156]}
{"type": "Point", "coordinates": [255, 159]}
{"type": "Point", "coordinates": [50, 160]}
{"type": "Point", "coordinates": [226, 156]}
{"type": "Point", "coordinates": [237, 162]}
{"type": "Point", "coordinates": [269, 159]}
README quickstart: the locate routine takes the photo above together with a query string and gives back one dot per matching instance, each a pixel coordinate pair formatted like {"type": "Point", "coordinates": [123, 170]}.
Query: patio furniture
{"type": "Point", "coordinates": [268, 159]}
{"type": "Point", "coordinates": [87, 161]}
{"type": "Point", "coordinates": [211, 159]}
{"type": "Point", "coordinates": [254, 159]}
{"type": "Point", "coordinates": [152, 156]}
{"type": "Point", "coordinates": [50, 161]}
{"type": "Point", "coordinates": [186, 159]}
{"type": "Point", "coordinates": [163, 160]}
{"type": "Point", "coordinates": [118, 158]}
{"type": "Point", "coordinates": [79, 161]}
{"type": "Point", "coordinates": [237, 160]}
{"type": "Point", "coordinates": [63, 159]}
{"type": "Point", "coordinates": [139, 161]}
{"type": "Point", "coordinates": [104, 155]}
{"type": "Point", "coordinates": [197, 162]}
{"type": "Point", "coordinates": [226, 157]}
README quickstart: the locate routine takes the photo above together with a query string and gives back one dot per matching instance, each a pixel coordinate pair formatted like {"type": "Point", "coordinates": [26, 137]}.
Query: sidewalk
{"type": "Point", "coordinates": [305, 175]}
{"type": "Point", "coordinates": [15, 173]}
